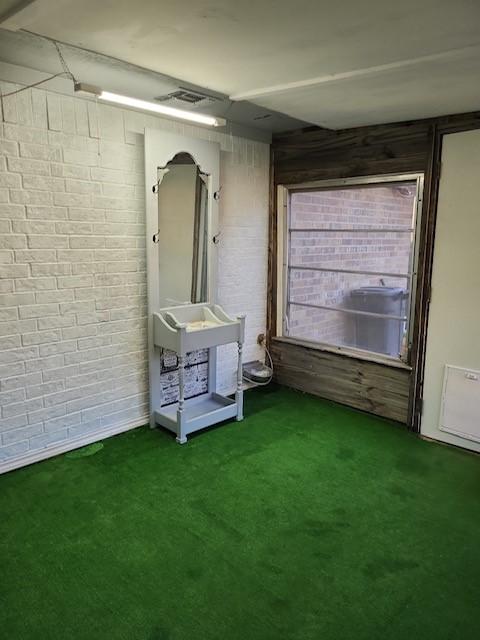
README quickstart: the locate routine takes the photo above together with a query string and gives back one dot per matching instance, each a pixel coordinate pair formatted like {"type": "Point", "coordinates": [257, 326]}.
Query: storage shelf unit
{"type": "Point", "coordinates": [188, 328]}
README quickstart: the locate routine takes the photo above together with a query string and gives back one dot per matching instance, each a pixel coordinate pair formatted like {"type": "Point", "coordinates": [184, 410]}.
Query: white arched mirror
{"type": "Point", "coordinates": [182, 178]}
{"type": "Point", "coordinates": [183, 231]}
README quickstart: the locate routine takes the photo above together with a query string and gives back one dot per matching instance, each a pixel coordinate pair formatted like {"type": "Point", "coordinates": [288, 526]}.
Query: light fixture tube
{"type": "Point", "coordinates": [116, 98]}
{"type": "Point", "coordinates": [199, 118]}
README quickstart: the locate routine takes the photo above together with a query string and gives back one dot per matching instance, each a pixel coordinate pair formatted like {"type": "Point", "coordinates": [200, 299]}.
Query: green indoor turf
{"type": "Point", "coordinates": [306, 521]}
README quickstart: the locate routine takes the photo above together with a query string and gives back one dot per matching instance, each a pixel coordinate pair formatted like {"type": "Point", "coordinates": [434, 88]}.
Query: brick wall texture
{"type": "Point", "coordinates": [379, 207]}
{"type": "Point", "coordinates": [73, 353]}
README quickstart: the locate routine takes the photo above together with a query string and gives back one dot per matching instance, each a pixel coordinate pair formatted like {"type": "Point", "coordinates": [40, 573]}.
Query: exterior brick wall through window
{"type": "Point", "coordinates": [359, 237]}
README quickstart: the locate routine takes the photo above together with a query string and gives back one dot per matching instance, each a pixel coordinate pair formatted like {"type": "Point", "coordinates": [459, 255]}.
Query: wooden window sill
{"type": "Point", "coordinates": [346, 352]}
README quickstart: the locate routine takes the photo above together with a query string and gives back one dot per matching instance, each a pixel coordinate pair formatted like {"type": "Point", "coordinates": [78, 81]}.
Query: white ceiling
{"type": "Point", "coordinates": [336, 64]}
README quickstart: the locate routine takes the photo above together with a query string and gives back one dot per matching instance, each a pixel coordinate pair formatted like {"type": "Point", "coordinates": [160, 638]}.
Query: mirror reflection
{"type": "Point", "coordinates": [182, 232]}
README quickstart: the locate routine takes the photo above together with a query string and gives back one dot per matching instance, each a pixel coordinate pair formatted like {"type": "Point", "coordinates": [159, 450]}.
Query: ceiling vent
{"type": "Point", "coordinates": [182, 97]}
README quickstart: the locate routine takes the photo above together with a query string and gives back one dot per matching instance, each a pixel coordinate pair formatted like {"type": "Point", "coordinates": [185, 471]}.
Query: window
{"type": "Point", "coordinates": [349, 263]}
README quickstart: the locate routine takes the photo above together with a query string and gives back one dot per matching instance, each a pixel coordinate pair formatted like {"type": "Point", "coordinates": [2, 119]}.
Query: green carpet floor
{"type": "Point", "coordinates": [306, 521]}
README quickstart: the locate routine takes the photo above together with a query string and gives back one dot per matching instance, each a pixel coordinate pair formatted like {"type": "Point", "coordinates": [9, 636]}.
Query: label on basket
{"type": "Point", "coordinates": [169, 360]}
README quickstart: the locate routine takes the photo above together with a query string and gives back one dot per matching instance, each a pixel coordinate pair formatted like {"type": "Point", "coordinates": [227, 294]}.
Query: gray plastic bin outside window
{"type": "Point", "coordinates": [380, 335]}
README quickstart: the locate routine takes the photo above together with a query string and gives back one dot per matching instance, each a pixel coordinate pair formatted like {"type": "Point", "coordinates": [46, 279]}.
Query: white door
{"type": "Point", "coordinates": [454, 320]}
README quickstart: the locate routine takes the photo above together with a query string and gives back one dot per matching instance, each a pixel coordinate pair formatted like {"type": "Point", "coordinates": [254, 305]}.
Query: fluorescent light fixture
{"type": "Point", "coordinates": [135, 103]}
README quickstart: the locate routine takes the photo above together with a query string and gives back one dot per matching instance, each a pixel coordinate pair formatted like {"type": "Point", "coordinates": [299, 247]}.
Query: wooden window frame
{"type": "Point", "coordinates": [282, 251]}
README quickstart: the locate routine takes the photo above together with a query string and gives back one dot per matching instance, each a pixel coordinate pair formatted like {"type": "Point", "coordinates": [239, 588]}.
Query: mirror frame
{"type": "Point", "coordinates": [160, 148]}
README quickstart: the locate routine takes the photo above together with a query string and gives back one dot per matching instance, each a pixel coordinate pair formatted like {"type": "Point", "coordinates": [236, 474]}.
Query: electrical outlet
{"type": "Point", "coordinates": [260, 338]}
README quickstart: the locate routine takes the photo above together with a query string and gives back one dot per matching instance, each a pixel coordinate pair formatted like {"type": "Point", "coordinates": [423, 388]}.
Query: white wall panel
{"type": "Point", "coordinates": [453, 325]}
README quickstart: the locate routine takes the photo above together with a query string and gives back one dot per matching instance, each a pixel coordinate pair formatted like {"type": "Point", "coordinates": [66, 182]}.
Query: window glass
{"type": "Point", "coordinates": [350, 266]}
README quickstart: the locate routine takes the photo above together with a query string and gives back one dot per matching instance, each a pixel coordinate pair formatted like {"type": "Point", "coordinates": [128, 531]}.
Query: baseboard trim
{"type": "Point", "coordinates": [69, 445]}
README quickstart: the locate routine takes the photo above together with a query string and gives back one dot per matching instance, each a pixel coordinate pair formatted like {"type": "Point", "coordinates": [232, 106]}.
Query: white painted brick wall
{"type": "Point", "coordinates": [73, 358]}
